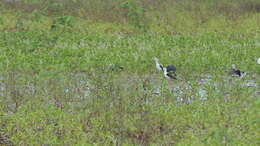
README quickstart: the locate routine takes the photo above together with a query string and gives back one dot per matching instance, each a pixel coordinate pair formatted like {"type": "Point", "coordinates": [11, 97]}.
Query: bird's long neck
{"type": "Point", "coordinates": [157, 63]}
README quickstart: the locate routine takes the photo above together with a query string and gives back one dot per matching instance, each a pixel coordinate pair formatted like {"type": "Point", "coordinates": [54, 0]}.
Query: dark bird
{"type": "Point", "coordinates": [236, 72]}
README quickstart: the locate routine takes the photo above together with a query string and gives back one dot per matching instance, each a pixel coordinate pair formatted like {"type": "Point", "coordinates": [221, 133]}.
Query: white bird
{"type": "Point", "coordinates": [258, 61]}
{"type": "Point", "coordinates": [167, 71]}
{"type": "Point", "coordinates": [157, 64]}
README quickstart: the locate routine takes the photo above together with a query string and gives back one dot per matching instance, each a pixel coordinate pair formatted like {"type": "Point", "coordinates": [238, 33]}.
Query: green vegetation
{"type": "Point", "coordinates": [81, 73]}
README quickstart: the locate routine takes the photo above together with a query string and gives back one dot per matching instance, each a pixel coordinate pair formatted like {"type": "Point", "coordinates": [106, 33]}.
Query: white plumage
{"type": "Point", "coordinates": [158, 66]}
{"type": "Point", "coordinates": [167, 71]}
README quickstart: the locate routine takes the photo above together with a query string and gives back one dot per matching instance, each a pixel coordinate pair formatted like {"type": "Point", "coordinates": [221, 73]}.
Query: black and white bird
{"type": "Point", "coordinates": [167, 71]}
{"type": "Point", "coordinates": [168, 74]}
{"type": "Point", "coordinates": [236, 72]}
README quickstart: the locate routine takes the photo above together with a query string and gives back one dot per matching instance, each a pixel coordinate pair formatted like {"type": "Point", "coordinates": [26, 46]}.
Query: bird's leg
{"type": "Point", "coordinates": [170, 84]}
{"type": "Point", "coordinates": [164, 89]}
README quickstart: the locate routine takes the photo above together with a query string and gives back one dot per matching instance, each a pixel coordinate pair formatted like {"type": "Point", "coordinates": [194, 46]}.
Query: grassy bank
{"type": "Point", "coordinates": [71, 78]}
{"type": "Point", "coordinates": [170, 16]}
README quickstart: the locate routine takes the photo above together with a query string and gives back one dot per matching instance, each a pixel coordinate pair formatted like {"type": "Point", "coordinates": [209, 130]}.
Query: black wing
{"type": "Point", "coordinates": [171, 68]}
{"type": "Point", "coordinates": [161, 67]}
{"type": "Point", "coordinates": [235, 72]}
{"type": "Point", "coordinates": [238, 72]}
{"type": "Point", "coordinates": [171, 76]}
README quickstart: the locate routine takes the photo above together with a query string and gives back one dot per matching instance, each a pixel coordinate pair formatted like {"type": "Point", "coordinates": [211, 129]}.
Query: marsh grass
{"type": "Point", "coordinates": [65, 80]}
{"type": "Point", "coordinates": [145, 15]}
{"type": "Point", "coordinates": [64, 86]}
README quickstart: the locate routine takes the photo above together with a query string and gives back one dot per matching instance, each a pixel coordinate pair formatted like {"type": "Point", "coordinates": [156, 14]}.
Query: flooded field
{"type": "Point", "coordinates": [66, 81]}
{"type": "Point", "coordinates": [77, 90]}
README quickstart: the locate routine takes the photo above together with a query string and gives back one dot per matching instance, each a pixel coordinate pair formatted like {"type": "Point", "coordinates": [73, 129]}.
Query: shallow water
{"type": "Point", "coordinates": [185, 92]}
{"type": "Point", "coordinates": [76, 90]}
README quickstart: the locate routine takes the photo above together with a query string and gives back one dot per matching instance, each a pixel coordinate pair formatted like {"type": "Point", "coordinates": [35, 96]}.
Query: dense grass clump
{"type": "Point", "coordinates": [71, 75]}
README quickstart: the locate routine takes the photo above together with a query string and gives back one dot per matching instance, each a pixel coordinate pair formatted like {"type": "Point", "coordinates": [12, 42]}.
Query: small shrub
{"type": "Point", "coordinates": [63, 22]}
{"type": "Point", "coordinates": [250, 7]}
{"type": "Point", "coordinates": [135, 13]}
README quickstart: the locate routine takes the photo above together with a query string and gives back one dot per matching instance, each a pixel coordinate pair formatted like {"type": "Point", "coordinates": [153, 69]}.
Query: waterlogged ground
{"type": "Point", "coordinates": [79, 88]}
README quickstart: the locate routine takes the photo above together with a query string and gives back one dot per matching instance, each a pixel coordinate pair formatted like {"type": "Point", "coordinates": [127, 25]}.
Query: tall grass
{"type": "Point", "coordinates": [170, 16]}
